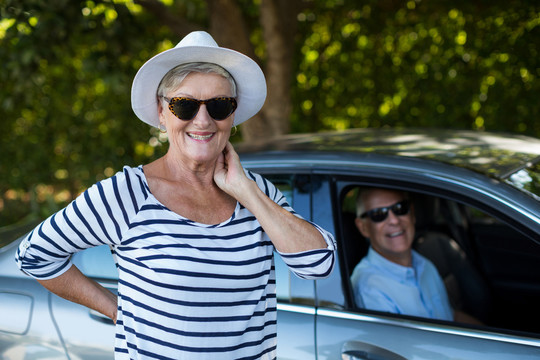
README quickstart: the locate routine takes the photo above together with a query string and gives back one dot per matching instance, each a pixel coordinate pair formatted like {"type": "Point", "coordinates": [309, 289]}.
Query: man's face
{"type": "Point", "coordinates": [392, 237]}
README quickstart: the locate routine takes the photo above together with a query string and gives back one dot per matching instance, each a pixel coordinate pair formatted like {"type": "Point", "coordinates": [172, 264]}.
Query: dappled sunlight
{"type": "Point", "coordinates": [497, 155]}
{"type": "Point", "coordinates": [69, 67]}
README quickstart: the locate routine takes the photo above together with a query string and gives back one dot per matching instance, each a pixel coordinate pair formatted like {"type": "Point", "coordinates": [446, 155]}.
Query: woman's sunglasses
{"type": "Point", "coordinates": [218, 108]}
{"type": "Point", "coordinates": [380, 214]}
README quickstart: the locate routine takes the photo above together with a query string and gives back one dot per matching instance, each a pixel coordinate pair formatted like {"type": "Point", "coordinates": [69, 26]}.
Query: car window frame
{"type": "Point", "coordinates": [413, 183]}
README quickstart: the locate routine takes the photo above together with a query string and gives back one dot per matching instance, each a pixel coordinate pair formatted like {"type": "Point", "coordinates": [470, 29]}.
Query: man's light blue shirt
{"type": "Point", "coordinates": [382, 285]}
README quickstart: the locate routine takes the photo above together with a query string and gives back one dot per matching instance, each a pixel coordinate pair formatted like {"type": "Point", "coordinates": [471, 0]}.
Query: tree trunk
{"type": "Point", "coordinates": [278, 22]}
{"type": "Point", "coordinates": [229, 28]}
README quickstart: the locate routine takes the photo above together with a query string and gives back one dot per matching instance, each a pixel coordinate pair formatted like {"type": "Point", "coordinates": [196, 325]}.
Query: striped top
{"type": "Point", "coordinates": [186, 290]}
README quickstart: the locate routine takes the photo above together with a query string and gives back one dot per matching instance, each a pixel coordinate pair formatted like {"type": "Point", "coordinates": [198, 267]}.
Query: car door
{"type": "Point", "coordinates": [86, 333]}
{"type": "Point", "coordinates": [27, 330]}
{"type": "Point", "coordinates": [344, 331]}
{"type": "Point", "coordinates": [296, 297]}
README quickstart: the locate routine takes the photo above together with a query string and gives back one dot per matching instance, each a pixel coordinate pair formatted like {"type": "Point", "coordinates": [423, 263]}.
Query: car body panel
{"type": "Point", "coordinates": [335, 329]}
{"type": "Point", "coordinates": [74, 320]}
{"type": "Point", "coordinates": [492, 176]}
{"type": "Point", "coordinates": [385, 170]}
{"type": "Point", "coordinates": [296, 329]}
{"type": "Point", "coordinates": [494, 154]}
{"type": "Point", "coordinates": [415, 340]}
{"type": "Point", "coordinates": [25, 336]}
{"type": "Point", "coordinates": [336, 165]}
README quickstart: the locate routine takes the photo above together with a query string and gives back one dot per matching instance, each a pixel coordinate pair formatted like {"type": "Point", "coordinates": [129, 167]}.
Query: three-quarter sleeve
{"type": "Point", "coordinates": [311, 264]}
{"type": "Point", "coordinates": [96, 217]}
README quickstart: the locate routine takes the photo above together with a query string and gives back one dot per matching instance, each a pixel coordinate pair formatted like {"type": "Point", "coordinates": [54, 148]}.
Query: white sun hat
{"type": "Point", "coordinates": [199, 46]}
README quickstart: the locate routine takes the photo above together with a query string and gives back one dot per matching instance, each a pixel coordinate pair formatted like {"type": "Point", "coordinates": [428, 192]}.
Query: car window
{"type": "Point", "coordinates": [489, 269]}
{"type": "Point", "coordinates": [283, 274]}
{"type": "Point", "coordinates": [509, 261]}
{"type": "Point", "coordinates": [96, 262]}
{"type": "Point", "coordinates": [289, 287]}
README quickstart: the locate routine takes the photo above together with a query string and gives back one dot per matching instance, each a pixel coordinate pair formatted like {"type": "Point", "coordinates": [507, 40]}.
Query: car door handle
{"type": "Point", "coordinates": [356, 350]}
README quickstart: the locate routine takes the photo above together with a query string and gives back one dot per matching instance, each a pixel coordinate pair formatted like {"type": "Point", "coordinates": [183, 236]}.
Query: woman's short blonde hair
{"type": "Point", "coordinates": [171, 81]}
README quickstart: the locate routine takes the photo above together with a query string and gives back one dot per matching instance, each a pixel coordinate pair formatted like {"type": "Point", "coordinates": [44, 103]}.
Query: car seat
{"type": "Point", "coordinates": [354, 247]}
{"type": "Point", "coordinates": [467, 289]}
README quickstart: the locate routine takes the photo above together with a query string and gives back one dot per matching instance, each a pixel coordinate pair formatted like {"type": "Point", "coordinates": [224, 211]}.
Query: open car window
{"type": "Point", "coordinates": [488, 268]}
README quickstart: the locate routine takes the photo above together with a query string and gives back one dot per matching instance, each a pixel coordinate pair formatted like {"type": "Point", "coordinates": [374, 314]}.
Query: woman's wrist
{"type": "Point", "coordinates": [248, 194]}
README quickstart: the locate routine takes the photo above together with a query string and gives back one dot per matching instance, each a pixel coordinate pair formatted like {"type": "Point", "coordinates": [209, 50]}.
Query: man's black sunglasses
{"type": "Point", "coordinates": [218, 108]}
{"type": "Point", "coordinates": [380, 214]}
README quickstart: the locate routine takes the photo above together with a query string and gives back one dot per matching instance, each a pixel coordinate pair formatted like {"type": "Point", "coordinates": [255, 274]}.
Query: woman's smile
{"type": "Point", "coordinates": [201, 137]}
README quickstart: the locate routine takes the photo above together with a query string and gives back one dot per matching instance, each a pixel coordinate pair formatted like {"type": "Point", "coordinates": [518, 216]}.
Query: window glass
{"type": "Point", "coordinates": [489, 269]}
{"type": "Point", "coordinates": [286, 190]}
{"type": "Point", "coordinates": [330, 292]}
{"type": "Point", "coordinates": [283, 274]}
{"type": "Point", "coordinates": [283, 279]}
{"type": "Point", "coordinates": [476, 216]}
{"type": "Point", "coordinates": [297, 189]}
{"type": "Point", "coordinates": [508, 261]}
{"type": "Point", "coordinates": [349, 200]}
{"type": "Point", "coordinates": [96, 262]}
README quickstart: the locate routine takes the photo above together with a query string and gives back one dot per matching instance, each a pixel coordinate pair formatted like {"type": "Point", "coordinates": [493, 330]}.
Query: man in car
{"type": "Point", "coordinates": [393, 277]}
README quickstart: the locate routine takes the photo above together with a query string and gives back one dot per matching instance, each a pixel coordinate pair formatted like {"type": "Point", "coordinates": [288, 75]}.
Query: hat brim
{"type": "Point", "coordinates": [248, 76]}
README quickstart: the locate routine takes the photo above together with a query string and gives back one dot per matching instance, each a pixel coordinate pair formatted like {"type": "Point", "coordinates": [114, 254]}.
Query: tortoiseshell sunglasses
{"type": "Point", "coordinates": [218, 108]}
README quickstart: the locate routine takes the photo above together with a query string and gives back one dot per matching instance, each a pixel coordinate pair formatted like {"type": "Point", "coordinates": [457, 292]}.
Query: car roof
{"type": "Point", "coordinates": [497, 155]}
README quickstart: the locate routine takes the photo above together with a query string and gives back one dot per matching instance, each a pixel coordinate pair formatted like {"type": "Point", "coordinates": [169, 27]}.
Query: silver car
{"type": "Point", "coordinates": [477, 198]}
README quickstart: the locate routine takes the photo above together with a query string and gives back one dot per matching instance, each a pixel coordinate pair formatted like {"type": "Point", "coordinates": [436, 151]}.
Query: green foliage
{"type": "Point", "coordinates": [68, 66]}
{"type": "Point", "coordinates": [446, 64]}
{"type": "Point", "coordinates": [65, 105]}
{"type": "Point", "coordinates": [65, 95]}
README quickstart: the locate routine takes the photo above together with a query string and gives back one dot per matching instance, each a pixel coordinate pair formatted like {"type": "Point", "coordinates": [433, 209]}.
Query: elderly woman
{"type": "Point", "coordinates": [192, 233]}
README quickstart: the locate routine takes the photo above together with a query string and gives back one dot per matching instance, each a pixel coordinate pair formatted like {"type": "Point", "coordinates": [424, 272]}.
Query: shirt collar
{"type": "Point", "coordinates": [395, 270]}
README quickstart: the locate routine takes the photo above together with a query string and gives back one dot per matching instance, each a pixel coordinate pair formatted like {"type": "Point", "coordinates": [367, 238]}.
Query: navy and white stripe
{"type": "Point", "coordinates": [186, 290]}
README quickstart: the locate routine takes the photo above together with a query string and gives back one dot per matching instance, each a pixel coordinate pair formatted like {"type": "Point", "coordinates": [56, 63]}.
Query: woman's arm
{"type": "Point", "coordinates": [289, 233]}
{"type": "Point", "coordinates": [75, 286]}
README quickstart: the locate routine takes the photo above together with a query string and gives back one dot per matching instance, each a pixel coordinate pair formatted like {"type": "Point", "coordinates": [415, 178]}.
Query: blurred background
{"type": "Point", "coordinates": [67, 68]}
